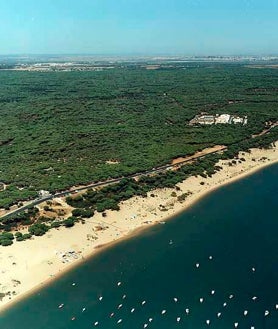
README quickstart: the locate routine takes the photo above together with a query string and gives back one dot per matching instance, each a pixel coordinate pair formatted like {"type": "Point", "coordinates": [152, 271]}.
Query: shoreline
{"type": "Point", "coordinates": [136, 215]}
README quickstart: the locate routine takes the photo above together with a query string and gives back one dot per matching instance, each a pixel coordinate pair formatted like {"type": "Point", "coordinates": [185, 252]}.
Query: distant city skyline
{"type": "Point", "coordinates": [139, 27]}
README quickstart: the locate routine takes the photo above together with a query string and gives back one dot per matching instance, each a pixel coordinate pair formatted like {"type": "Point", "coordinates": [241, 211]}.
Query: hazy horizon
{"type": "Point", "coordinates": [139, 28]}
{"type": "Point", "coordinates": [178, 55]}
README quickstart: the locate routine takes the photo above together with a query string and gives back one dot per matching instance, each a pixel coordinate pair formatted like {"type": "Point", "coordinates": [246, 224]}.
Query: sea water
{"type": "Point", "coordinates": [204, 267]}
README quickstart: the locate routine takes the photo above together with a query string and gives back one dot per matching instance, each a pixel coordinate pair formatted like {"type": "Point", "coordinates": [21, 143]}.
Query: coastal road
{"type": "Point", "coordinates": [175, 164]}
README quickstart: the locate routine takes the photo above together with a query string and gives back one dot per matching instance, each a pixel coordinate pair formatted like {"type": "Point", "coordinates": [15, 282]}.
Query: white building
{"type": "Point", "coordinates": [237, 120]}
{"type": "Point", "coordinates": [222, 118]}
{"type": "Point", "coordinates": [43, 193]}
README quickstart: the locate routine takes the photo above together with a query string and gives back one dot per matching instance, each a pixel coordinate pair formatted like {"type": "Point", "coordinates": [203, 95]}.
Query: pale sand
{"type": "Point", "coordinates": [28, 265]}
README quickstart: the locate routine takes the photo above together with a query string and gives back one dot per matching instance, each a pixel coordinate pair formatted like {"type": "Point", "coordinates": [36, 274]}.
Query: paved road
{"type": "Point", "coordinates": [117, 180]}
{"type": "Point", "coordinates": [105, 183]}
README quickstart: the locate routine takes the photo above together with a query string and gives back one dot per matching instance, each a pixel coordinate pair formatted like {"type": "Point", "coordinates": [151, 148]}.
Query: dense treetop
{"type": "Point", "coordinates": [58, 129]}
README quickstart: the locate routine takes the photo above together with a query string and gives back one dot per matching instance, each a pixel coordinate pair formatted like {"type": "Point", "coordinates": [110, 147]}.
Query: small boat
{"type": "Point", "coordinates": [96, 323]}
{"type": "Point", "coordinates": [120, 306]}
{"type": "Point", "coordinates": [218, 314]}
{"type": "Point", "coordinates": [236, 324]}
{"type": "Point", "coordinates": [213, 292]}
{"type": "Point", "coordinates": [83, 309]}
{"type": "Point", "coordinates": [253, 269]}
{"type": "Point", "coordinates": [163, 312]}
{"type": "Point", "coordinates": [224, 304]}
{"type": "Point", "coordinates": [187, 310]}
{"type": "Point", "coordinates": [111, 315]}
{"type": "Point", "coordinates": [73, 284]}
{"type": "Point", "coordinates": [143, 303]}
{"type": "Point", "coordinates": [150, 319]}
{"type": "Point", "coordinates": [197, 265]}
{"type": "Point", "coordinates": [145, 325]}
{"type": "Point", "coordinates": [245, 312]}
{"type": "Point", "coordinates": [119, 283]}
{"type": "Point", "coordinates": [210, 257]}
{"type": "Point", "coordinates": [231, 296]}
{"type": "Point", "coordinates": [61, 305]}
{"type": "Point", "coordinates": [73, 318]}
{"type": "Point", "coordinates": [100, 298]}
{"type": "Point", "coordinates": [175, 299]}
{"type": "Point", "coordinates": [119, 321]}
{"type": "Point", "coordinates": [124, 296]}
{"type": "Point", "coordinates": [171, 242]}
{"type": "Point", "coordinates": [254, 297]}
{"type": "Point", "coordinates": [208, 322]}
{"type": "Point", "coordinates": [266, 313]}
{"type": "Point", "coordinates": [201, 300]}
{"type": "Point", "coordinates": [132, 310]}
{"type": "Point", "coordinates": [178, 319]}
{"type": "Point", "coordinates": [276, 306]}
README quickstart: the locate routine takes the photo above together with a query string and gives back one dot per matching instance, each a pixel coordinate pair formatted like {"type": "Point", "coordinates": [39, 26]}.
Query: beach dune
{"type": "Point", "coordinates": [31, 264]}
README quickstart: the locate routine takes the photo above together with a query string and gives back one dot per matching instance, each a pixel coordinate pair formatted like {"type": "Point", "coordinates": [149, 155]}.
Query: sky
{"type": "Point", "coordinates": [139, 27]}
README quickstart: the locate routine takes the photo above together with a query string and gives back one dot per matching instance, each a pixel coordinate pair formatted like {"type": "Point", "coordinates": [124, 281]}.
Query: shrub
{"type": "Point", "coordinates": [27, 236]}
{"type": "Point", "coordinates": [69, 222]}
{"type": "Point", "coordinates": [38, 229]}
{"type": "Point", "coordinates": [55, 224]}
{"type": "Point", "coordinates": [6, 242]}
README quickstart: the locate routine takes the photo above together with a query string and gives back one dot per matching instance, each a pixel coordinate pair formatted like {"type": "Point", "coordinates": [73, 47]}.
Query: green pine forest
{"type": "Point", "coordinates": [59, 129]}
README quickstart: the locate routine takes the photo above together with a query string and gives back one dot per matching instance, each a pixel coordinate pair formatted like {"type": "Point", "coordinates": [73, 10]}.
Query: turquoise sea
{"type": "Point", "coordinates": [204, 268]}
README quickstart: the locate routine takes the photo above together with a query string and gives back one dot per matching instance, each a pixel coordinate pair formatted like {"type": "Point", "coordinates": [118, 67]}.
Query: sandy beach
{"type": "Point", "coordinates": [30, 264]}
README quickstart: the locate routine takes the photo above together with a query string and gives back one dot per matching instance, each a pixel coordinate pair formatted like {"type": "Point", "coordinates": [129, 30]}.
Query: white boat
{"type": "Point", "coordinates": [124, 296]}
{"type": "Point", "coordinates": [121, 305]}
{"type": "Point", "coordinates": [163, 312]}
{"type": "Point", "coordinates": [236, 324]}
{"type": "Point", "coordinates": [245, 312]}
{"type": "Point", "coordinates": [224, 304]}
{"type": "Point", "coordinates": [119, 283]}
{"type": "Point", "coordinates": [197, 265]}
{"type": "Point", "coordinates": [119, 321]}
{"type": "Point", "coordinates": [96, 323]}
{"type": "Point", "coordinates": [61, 305]}
{"type": "Point", "coordinates": [254, 297]}
{"type": "Point", "coordinates": [132, 310]}
{"type": "Point", "coordinates": [187, 310]}
{"type": "Point", "coordinates": [178, 319]}
{"type": "Point", "coordinates": [100, 298]}
{"type": "Point", "coordinates": [266, 313]}
{"type": "Point", "coordinates": [213, 292]}
{"type": "Point", "coordinates": [201, 300]}
{"type": "Point", "coordinates": [83, 309]}
{"type": "Point", "coordinates": [150, 319]}
{"type": "Point", "coordinates": [210, 257]}
{"type": "Point", "coordinates": [145, 325]}
{"type": "Point", "coordinates": [231, 296]}
{"type": "Point", "coordinates": [143, 303]}
{"type": "Point", "coordinates": [218, 314]}
{"type": "Point", "coordinates": [175, 299]}
{"type": "Point", "coordinates": [208, 322]}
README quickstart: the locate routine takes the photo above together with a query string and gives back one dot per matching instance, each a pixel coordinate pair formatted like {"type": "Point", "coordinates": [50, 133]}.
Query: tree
{"type": "Point", "coordinates": [38, 229]}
